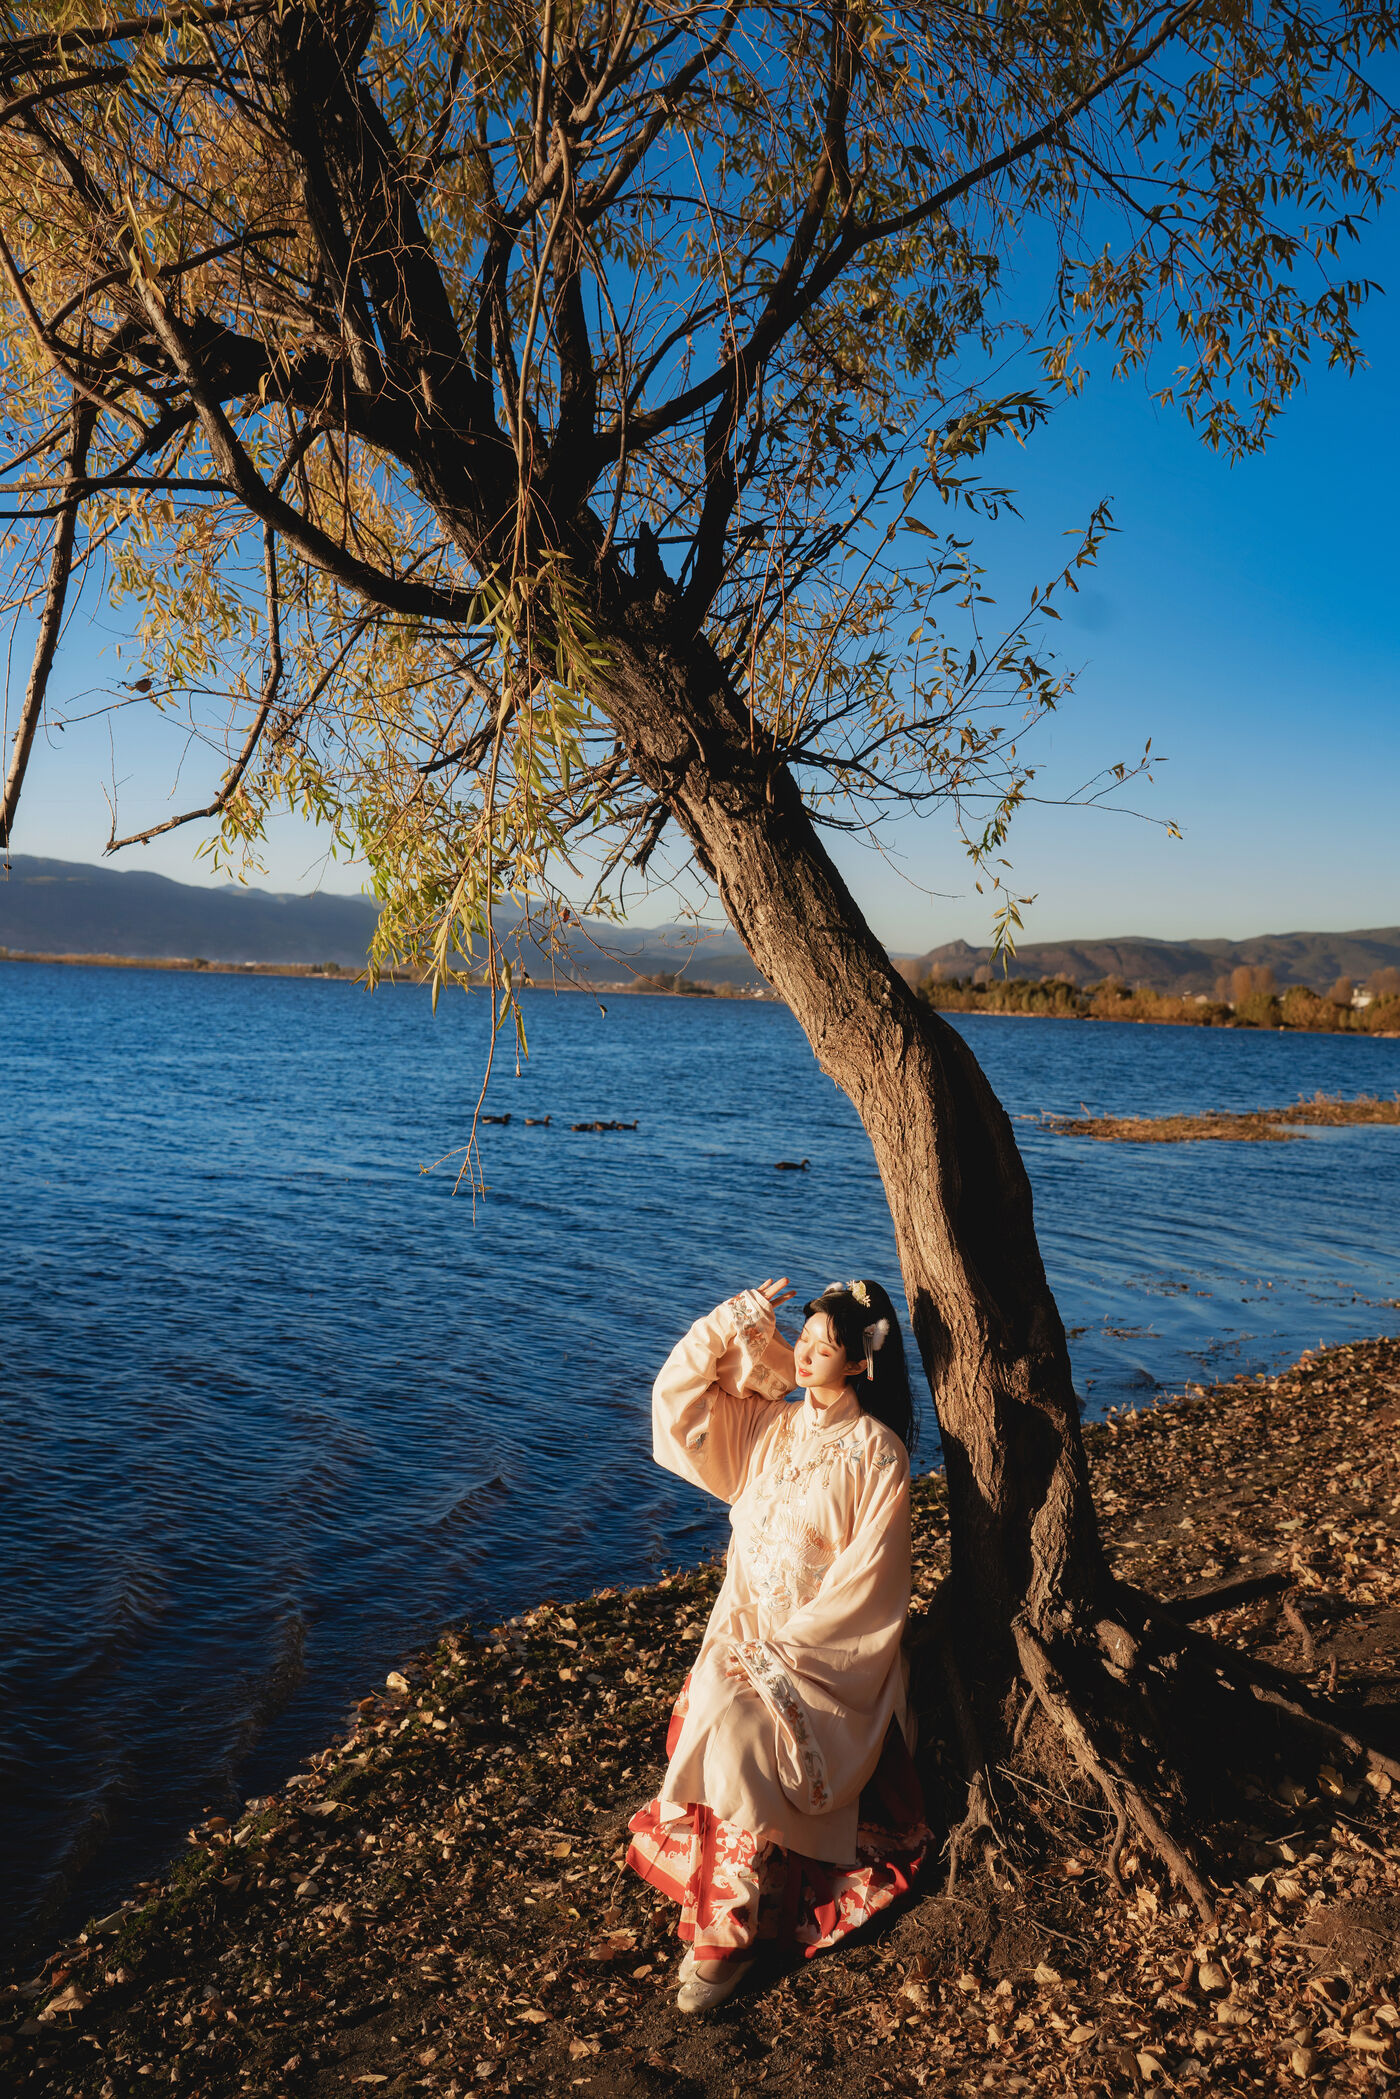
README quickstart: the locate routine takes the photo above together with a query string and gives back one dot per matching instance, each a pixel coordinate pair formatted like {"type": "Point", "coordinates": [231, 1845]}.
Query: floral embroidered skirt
{"type": "Point", "coordinates": [734, 1891]}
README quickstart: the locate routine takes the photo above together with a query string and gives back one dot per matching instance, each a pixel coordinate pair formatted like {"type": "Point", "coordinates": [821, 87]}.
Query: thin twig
{"type": "Point", "coordinates": [233, 777]}
{"type": "Point", "coordinates": [1295, 1618]}
{"type": "Point", "coordinates": [83, 420]}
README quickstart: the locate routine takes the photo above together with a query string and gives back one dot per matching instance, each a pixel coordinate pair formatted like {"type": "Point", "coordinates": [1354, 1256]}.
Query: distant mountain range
{"type": "Point", "coordinates": [1182, 967]}
{"type": "Point", "coordinates": [61, 907]}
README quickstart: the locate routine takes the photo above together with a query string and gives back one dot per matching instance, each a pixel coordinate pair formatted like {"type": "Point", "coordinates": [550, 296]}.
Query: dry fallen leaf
{"type": "Point", "coordinates": [70, 2000]}
{"type": "Point", "coordinates": [493, 1797]}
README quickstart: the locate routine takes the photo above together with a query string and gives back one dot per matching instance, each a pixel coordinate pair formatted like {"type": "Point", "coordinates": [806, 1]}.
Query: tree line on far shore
{"type": "Point", "coordinates": [1247, 997]}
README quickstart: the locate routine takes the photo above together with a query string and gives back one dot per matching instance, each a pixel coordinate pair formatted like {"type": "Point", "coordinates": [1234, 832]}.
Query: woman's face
{"type": "Point", "coordinates": [820, 1358]}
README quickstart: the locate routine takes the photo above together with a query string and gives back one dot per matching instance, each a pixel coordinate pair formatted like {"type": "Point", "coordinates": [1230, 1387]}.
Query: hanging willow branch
{"type": "Point", "coordinates": [233, 778]}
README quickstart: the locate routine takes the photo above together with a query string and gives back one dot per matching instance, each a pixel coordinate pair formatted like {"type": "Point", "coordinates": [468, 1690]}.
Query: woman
{"type": "Point", "coordinates": [790, 1805]}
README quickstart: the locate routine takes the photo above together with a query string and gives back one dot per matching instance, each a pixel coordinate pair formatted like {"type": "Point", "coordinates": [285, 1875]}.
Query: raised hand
{"type": "Point", "coordinates": [776, 1290]}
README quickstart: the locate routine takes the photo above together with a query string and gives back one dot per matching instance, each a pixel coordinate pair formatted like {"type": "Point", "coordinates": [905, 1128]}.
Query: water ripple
{"type": "Point", "coordinates": [276, 1406]}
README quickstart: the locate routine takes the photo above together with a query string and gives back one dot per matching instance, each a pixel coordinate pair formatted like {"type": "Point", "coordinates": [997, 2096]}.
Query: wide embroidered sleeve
{"type": "Point", "coordinates": [831, 1674]}
{"type": "Point", "coordinates": [717, 1392]}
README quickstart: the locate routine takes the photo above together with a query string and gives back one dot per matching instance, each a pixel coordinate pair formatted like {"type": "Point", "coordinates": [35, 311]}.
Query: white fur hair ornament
{"type": "Point", "coordinates": [874, 1339]}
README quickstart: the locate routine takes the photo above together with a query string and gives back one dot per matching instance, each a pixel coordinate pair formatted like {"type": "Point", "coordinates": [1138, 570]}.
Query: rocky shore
{"type": "Point", "coordinates": [438, 1903]}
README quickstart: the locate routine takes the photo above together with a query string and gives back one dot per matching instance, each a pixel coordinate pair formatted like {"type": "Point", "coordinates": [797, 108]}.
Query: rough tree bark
{"type": "Point", "coordinates": [1032, 1598]}
{"type": "Point", "coordinates": [1025, 1540]}
{"type": "Point", "coordinates": [991, 1339]}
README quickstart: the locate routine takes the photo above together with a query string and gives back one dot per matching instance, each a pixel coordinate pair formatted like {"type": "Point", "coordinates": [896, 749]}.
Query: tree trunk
{"type": "Point", "coordinates": [1024, 1536]}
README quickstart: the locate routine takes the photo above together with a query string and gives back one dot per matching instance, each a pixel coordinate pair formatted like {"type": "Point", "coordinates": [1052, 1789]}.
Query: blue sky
{"type": "Point", "coordinates": [1243, 617]}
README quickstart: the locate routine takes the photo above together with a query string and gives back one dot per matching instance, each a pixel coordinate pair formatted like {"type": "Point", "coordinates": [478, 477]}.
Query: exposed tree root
{"type": "Point", "coordinates": [978, 1826]}
{"type": "Point", "coordinates": [929, 1643]}
{"type": "Point", "coordinates": [1271, 1687]}
{"type": "Point", "coordinates": [1099, 1764]}
{"type": "Point", "coordinates": [1023, 1720]}
{"type": "Point", "coordinates": [1294, 1617]}
{"type": "Point", "coordinates": [1155, 1716]}
{"type": "Point", "coordinates": [1138, 1710]}
{"type": "Point", "coordinates": [1189, 1610]}
{"type": "Point", "coordinates": [1115, 1849]}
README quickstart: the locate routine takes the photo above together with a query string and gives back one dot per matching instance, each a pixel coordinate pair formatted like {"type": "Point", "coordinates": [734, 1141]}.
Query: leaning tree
{"type": "Point", "coordinates": [545, 440]}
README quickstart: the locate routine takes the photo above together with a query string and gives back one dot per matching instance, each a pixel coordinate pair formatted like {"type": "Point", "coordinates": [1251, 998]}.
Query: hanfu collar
{"type": "Point", "coordinates": [827, 1421]}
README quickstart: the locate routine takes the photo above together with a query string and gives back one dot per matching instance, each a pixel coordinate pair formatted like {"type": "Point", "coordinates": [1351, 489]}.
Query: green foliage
{"type": "Point", "coordinates": [1259, 1010]}
{"type": "Point", "coordinates": [1049, 996]}
{"type": "Point", "coordinates": [1311, 1012]}
{"type": "Point", "coordinates": [1055, 997]}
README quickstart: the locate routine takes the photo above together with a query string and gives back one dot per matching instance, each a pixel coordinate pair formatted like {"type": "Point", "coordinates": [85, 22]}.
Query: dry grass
{"type": "Point", "coordinates": [1255, 1126]}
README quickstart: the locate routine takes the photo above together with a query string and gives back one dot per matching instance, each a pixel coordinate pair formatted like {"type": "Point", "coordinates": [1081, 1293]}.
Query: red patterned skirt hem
{"type": "Point", "coordinates": [733, 1891]}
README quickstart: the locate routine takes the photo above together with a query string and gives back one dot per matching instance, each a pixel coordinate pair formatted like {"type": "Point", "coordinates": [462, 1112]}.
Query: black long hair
{"type": "Point", "coordinates": [885, 1395]}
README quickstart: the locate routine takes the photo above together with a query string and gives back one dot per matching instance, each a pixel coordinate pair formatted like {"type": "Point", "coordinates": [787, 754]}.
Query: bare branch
{"type": "Point", "coordinates": [82, 421]}
{"type": "Point", "coordinates": [601, 195]}
{"type": "Point", "coordinates": [777, 318]}
{"type": "Point", "coordinates": [20, 105]}
{"type": "Point", "coordinates": [26, 51]}
{"type": "Point", "coordinates": [393, 593]}
{"type": "Point", "coordinates": [470, 754]}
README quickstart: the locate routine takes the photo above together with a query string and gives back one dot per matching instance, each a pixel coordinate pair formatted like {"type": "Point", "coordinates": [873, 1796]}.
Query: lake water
{"type": "Point", "coordinates": [277, 1406]}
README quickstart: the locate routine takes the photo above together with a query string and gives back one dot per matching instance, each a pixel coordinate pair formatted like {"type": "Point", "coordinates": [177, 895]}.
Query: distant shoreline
{"type": "Point", "coordinates": [1067, 1003]}
{"type": "Point", "coordinates": [336, 973]}
{"type": "Point", "coordinates": [193, 965]}
{"type": "Point", "coordinates": [1252, 1004]}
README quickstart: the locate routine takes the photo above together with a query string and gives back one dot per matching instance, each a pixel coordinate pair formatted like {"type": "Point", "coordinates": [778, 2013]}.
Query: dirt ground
{"type": "Point", "coordinates": [438, 1904]}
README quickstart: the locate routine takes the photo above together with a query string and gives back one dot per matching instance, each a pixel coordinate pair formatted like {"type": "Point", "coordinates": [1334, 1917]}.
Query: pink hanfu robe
{"type": "Point", "coordinates": [790, 1805]}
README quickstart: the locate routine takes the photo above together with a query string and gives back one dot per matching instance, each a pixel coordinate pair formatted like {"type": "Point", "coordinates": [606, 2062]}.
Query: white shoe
{"type": "Point", "coordinates": [711, 1983]}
